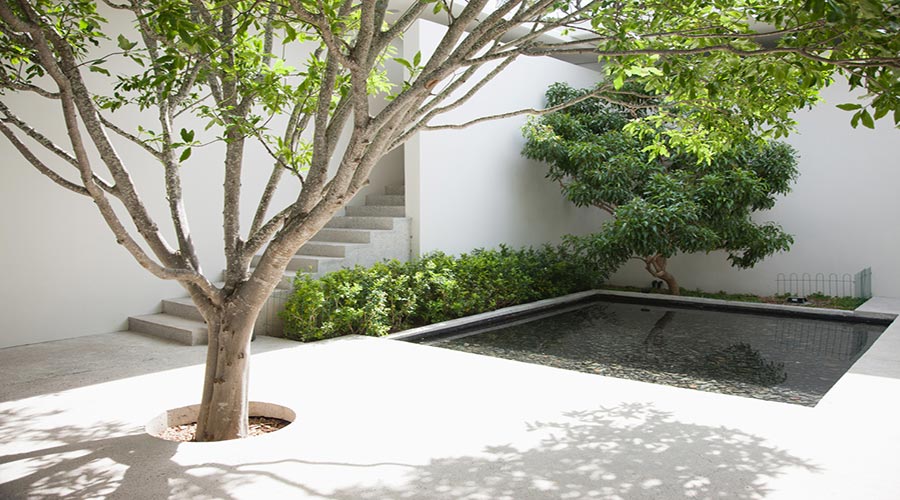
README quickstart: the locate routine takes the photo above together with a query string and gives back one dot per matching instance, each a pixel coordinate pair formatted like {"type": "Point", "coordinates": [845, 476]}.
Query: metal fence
{"type": "Point", "coordinates": [863, 283]}
{"type": "Point", "coordinates": [832, 284]}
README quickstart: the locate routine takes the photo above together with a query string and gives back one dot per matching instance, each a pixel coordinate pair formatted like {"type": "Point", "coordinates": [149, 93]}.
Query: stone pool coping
{"type": "Point", "coordinates": [533, 308]}
{"type": "Point", "coordinates": [493, 317]}
{"type": "Point", "coordinates": [796, 311]}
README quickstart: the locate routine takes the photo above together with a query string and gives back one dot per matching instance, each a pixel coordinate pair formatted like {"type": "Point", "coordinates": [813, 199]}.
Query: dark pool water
{"type": "Point", "coordinates": [785, 359]}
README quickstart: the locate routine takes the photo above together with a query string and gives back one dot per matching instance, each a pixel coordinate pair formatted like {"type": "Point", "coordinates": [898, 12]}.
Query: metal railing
{"type": "Point", "coordinates": [831, 284]}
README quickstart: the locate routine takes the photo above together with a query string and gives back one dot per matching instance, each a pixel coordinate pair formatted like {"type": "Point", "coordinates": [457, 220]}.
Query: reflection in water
{"type": "Point", "coordinates": [743, 363]}
{"type": "Point", "coordinates": [775, 358]}
{"type": "Point", "coordinates": [834, 340]}
{"type": "Point", "coordinates": [655, 338]}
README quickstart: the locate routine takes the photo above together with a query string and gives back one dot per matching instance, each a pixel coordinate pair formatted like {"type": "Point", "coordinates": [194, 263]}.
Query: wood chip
{"type": "Point", "coordinates": [257, 427]}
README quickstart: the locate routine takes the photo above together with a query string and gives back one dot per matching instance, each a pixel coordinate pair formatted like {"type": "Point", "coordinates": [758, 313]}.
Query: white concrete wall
{"type": "Point", "coordinates": [842, 211]}
{"type": "Point", "coordinates": [472, 188]}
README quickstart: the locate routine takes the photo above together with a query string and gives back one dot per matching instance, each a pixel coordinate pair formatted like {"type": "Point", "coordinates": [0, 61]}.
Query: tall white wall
{"type": "Point", "coordinates": [472, 188]}
{"type": "Point", "coordinates": [842, 211]}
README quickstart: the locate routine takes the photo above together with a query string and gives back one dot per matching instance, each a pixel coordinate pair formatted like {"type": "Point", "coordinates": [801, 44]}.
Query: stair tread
{"type": "Point", "coordinates": [335, 243]}
{"type": "Point", "coordinates": [288, 272]}
{"type": "Point", "coordinates": [359, 230]}
{"type": "Point", "coordinates": [183, 300]}
{"type": "Point", "coordinates": [390, 200]}
{"type": "Point", "coordinates": [317, 257]}
{"type": "Point", "coordinates": [387, 210]}
{"type": "Point", "coordinates": [367, 217]}
{"type": "Point", "coordinates": [171, 321]}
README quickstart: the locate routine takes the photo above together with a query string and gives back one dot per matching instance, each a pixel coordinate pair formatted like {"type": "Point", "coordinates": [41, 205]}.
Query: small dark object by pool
{"type": "Point", "coordinates": [786, 359]}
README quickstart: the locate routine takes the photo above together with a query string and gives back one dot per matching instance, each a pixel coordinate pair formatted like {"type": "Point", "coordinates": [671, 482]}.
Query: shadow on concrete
{"type": "Point", "coordinates": [106, 461]}
{"type": "Point", "coordinates": [50, 367]}
{"type": "Point", "coordinates": [630, 451]}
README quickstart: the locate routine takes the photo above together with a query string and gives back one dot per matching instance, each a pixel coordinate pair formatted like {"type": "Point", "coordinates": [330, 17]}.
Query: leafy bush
{"type": "Point", "coordinates": [393, 296]}
{"type": "Point", "coordinates": [664, 199]}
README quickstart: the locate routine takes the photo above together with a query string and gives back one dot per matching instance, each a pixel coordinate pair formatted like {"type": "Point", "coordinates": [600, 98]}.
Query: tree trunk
{"type": "Point", "coordinates": [671, 283]}
{"type": "Point", "coordinates": [224, 407]}
{"type": "Point", "coordinates": [656, 266]}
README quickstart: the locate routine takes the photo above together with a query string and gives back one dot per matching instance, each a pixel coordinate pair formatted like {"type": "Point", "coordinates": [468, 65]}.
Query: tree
{"type": "Point", "coordinates": [215, 60]}
{"type": "Point", "coordinates": [660, 205]}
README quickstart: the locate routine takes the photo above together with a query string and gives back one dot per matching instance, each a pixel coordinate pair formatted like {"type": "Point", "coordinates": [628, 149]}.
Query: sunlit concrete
{"type": "Point", "coordinates": [380, 419]}
{"type": "Point", "coordinates": [881, 305]}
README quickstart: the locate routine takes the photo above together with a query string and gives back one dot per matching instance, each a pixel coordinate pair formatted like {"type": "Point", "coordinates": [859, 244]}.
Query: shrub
{"type": "Point", "coordinates": [393, 296]}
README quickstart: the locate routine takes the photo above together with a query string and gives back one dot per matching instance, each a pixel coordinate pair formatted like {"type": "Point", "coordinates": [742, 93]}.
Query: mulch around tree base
{"type": "Point", "coordinates": [258, 427]}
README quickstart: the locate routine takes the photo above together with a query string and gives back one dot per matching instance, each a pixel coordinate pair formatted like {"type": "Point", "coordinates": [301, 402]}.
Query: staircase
{"type": "Point", "coordinates": [364, 235]}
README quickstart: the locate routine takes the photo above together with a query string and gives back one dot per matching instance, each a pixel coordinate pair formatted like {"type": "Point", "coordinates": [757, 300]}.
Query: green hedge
{"type": "Point", "coordinates": [393, 296]}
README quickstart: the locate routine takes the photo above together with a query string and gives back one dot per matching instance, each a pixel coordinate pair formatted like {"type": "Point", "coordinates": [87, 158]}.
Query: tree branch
{"type": "Point", "coordinates": [130, 137]}
{"type": "Point", "coordinates": [38, 164]}
{"type": "Point", "coordinates": [9, 83]}
{"type": "Point", "coordinates": [321, 25]}
{"type": "Point", "coordinates": [459, 102]}
{"type": "Point", "coordinates": [57, 58]}
{"type": "Point", "coordinates": [526, 111]}
{"type": "Point", "coordinates": [47, 144]}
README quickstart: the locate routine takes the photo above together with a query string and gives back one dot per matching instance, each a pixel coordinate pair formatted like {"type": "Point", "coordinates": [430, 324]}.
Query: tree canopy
{"type": "Point", "coordinates": [661, 206]}
{"type": "Point", "coordinates": [293, 75]}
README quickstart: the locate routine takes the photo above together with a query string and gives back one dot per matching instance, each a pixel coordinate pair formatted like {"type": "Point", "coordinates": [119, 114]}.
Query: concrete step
{"type": "Point", "coordinates": [343, 235]}
{"type": "Point", "coordinates": [181, 330]}
{"type": "Point", "coordinates": [183, 307]}
{"type": "Point", "coordinates": [344, 222]}
{"type": "Point", "coordinates": [328, 248]}
{"type": "Point", "coordinates": [314, 264]}
{"type": "Point", "coordinates": [395, 189]}
{"type": "Point", "coordinates": [376, 211]}
{"type": "Point", "coordinates": [287, 281]}
{"type": "Point", "coordinates": [392, 200]}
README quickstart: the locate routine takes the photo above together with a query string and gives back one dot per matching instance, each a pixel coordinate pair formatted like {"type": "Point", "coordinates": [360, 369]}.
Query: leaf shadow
{"type": "Point", "coordinates": [628, 451]}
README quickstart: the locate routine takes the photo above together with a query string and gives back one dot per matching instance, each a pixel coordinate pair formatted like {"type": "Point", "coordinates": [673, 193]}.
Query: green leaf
{"type": "Point", "coordinates": [619, 81]}
{"type": "Point", "coordinates": [187, 135]}
{"type": "Point", "coordinates": [99, 69]}
{"type": "Point", "coordinates": [849, 106]}
{"type": "Point", "coordinates": [125, 44]}
{"type": "Point", "coordinates": [405, 63]}
{"type": "Point", "coordinates": [185, 155]}
{"type": "Point", "coordinates": [867, 120]}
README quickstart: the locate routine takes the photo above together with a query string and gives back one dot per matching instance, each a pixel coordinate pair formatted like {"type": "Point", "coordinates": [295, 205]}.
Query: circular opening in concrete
{"type": "Point", "coordinates": [159, 426]}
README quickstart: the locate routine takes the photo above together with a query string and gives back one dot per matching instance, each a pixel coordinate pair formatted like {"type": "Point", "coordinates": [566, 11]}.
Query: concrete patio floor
{"type": "Point", "coordinates": [384, 419]}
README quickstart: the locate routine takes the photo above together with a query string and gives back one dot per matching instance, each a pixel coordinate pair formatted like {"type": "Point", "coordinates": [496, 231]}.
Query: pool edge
{"type": "Point", "coordinates": [506, 313]}
{"type": "Point", "coordinates": [752, 307]}
{"type": "Point", "coordinates": [491, 317]}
